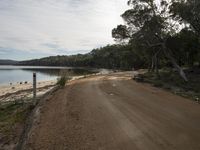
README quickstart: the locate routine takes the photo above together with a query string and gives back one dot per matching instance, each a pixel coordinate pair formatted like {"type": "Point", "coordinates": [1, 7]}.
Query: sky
{"type": "Point", "coordinates": [38, 28]}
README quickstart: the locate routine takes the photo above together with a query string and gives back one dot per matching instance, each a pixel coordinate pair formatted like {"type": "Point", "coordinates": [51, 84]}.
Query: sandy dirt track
{"type": "Point", "coordinates": [112, 112]}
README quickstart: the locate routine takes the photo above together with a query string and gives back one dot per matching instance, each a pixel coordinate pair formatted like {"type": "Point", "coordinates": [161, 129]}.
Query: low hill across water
{"type": "Point", "coordinates": [7, 62]}
{"type": "Point", "coordinates": [111, 57]}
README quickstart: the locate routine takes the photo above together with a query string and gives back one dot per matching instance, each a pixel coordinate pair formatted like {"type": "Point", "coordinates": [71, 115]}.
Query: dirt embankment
{"type": "Point", "coordinates": [112, 112]}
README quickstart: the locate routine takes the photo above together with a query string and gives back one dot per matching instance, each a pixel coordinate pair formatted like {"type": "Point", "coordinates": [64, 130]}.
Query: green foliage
{"type": "Point", "coordinates": [171, 81]}
{"type": "Point", "coordinates": [62, 81]}
{"type": "Point", "coordinates": [187, 12]}
{"type": "Point", "coordinates": [120, 33]}
{"type": "Point", "coordinates": [186, 47]}
{"type": "Point", "coordinates": [147, 27]}
{"type": "Point", "coordinates": [11, 115]}
{"type": "Point", "coordinates": [154, 31]}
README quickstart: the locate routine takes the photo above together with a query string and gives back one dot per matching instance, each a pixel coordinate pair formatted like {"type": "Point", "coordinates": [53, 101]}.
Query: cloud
{"type": "Point", "coordinates": [48, 26]}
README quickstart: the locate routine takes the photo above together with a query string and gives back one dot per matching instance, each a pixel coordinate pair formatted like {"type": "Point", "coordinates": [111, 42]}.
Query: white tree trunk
{"type": "Point", "coordinates": [178, 68]}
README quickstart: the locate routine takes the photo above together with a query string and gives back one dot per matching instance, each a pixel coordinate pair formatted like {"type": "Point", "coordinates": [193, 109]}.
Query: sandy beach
{"type": "Point", "coordinates": [24, 90]}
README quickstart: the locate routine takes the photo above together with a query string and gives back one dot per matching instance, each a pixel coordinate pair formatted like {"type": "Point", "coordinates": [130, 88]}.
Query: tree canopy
{"type": "Point", "coordinates": [153, 27]}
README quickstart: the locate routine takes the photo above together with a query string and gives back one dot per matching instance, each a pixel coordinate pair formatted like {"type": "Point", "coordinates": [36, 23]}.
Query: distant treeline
{"type": "Point", "coordinates": [111, 57]}
{"type": "Point", "coordinates": [126, 57]}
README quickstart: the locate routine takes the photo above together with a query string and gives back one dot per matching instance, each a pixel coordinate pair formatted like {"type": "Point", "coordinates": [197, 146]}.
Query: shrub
{"type": "Point", "coordinates": [158, 83]}
{"type": "Point", "coordinates": [62, 81]}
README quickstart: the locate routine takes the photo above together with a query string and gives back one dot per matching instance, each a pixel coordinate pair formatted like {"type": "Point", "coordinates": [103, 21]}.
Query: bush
{"type": "Point", "coordinates": [62, 81]}
{"type": "Point", "coordinates": [158, 84]}
{"type": "Point", "coordinates": [138, 78]}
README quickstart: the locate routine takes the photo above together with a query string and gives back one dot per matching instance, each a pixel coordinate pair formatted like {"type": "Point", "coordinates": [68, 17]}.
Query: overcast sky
{"type": "Point", "coordinates": [38, 28]}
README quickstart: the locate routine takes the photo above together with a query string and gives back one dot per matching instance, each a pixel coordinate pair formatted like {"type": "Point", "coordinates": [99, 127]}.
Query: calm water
{"type": "Point", "coordinates": [14, 74]}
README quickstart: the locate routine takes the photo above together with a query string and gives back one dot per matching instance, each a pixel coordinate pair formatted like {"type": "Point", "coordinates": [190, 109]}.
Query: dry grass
{"type": "Point", "coordinates": [12, 120]}
{"type": "Point", "coordinates": [170, 80]}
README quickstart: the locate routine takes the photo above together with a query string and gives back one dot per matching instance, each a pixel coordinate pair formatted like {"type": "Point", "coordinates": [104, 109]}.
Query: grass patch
{"type": "Point", "coordinates": [12, 119]}
{"type": "Point", "coordinates": [170, 80]}
{"type": "Point", "coordinates": [64, 78]}
{"type": "Point", "coordinates": [62, 81]}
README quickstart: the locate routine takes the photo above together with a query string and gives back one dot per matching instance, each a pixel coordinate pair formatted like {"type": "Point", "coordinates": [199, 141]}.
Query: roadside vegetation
{"type": "Point", "coordinates": [170, 80]}
{"type": "Point", "coordinates": [12, 121]}
{"type": "Point", "coordinates": [62, 81]}
{"type": "Point", "coordinates": [65, 76]}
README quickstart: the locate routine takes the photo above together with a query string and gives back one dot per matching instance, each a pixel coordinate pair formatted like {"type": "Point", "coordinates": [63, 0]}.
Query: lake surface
{"type": "Point", "coordinates": [14, 74]}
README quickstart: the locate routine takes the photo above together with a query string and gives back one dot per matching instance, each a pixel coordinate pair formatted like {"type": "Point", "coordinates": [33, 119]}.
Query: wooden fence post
{"type": "Point", "coordinates": [34, 86]}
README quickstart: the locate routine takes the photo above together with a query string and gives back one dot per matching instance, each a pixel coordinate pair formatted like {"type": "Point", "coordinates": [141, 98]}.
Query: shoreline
{"type": "Point", "coordinates": [22, 91]}
{"type": "Point", "coordinates": [14, 92]}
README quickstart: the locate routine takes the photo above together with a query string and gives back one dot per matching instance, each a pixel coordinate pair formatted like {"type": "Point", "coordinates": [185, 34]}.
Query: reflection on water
{"type": "Point", "coordinates": [14, 74]}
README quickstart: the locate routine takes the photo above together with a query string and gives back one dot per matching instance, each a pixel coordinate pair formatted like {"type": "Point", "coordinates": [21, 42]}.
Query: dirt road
{"type": "Point", "coordinates": [112, 112]}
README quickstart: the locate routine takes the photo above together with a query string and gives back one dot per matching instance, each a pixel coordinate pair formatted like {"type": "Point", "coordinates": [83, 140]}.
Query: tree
{"type": "Point", "coordinates": [187, 12]}
{"type": "Point", "coordinates": [185, 45]}
{"type": "Point", "coordinates": [149, 25]}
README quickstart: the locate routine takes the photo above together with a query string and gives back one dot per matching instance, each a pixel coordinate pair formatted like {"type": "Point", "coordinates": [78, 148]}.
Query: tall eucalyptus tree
{"type": "Point", "coordinates": [148, 26]}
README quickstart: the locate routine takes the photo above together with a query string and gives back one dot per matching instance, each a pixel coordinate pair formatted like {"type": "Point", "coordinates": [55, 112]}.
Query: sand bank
{"type": "Point", "coordinates": [20, 91]}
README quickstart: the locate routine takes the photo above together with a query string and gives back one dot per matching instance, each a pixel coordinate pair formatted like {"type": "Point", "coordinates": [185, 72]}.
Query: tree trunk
{"type": "Point", "coordinates": [155, 58]}
{"type": "Point", "coordinates": [152, 64]}
{"type": "Point", "coordinates": [149, 67]}
{"type": "Point", "coordinates": [156, 65]}
{"type": "Point", "coordinates": [178, 68]}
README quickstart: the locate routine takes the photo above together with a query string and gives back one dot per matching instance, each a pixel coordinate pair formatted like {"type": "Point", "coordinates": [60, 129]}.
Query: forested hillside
{"type": "Point", "coordinates": [111, 56]}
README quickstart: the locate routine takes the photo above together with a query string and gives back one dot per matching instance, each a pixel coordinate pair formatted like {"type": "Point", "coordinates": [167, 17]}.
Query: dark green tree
{"type": "Point", "coordinates": [187, 12]}
{"type": "Point", "coordinates": [148, 26]}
